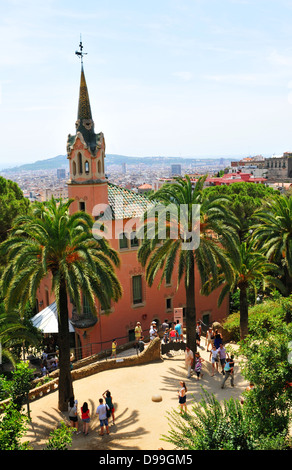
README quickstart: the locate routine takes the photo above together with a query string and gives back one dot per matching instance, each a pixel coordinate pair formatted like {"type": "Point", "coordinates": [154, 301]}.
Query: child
{"type": "Point", "coordinates": [198, 365]}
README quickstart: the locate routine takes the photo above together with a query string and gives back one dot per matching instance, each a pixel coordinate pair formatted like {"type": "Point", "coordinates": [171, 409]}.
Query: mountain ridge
{"type": "Point", "coordinates": [61, 161]}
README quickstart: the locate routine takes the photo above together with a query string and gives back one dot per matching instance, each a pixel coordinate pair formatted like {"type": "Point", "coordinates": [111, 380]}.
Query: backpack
{"type": "Point", "coordinates": [108, 411]}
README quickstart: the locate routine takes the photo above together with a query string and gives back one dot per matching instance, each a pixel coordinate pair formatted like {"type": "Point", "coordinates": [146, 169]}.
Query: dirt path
{"type": "Point", "coordinates": [140, 422]}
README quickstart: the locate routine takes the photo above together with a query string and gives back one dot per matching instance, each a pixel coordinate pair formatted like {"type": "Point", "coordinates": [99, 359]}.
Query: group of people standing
{"type": "Point", "coordinates": [104, 411]}
{"type": "Point", "coordinates": [218, 355]}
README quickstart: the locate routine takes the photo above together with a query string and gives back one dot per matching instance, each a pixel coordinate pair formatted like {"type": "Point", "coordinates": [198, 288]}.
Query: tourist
{"type": "Point", "coordinates": [178, 330]}
{"type": "Point", "coordinates": [101, 411]}
{"type": "Point", "coordinates": [222, 356]}
{"type": "Point", "coordinates": [109, 402]}
{"type": "Point", "coordinates": [214, 357]}
{"type": "Point", "coordinates": [217, 339]}
{"type": "Point", "coordinates": [198, 365]}
{"type": "Point", "coordinates": [153, 332]}
{"type": "Point", "coordinates": [44, 370]}
{"type": "Point", "coordinates": [85, 416]}
{"type": "Point", "coordinates": [141, 344]}
{"type": "Point", "coordinates": [198, 333]}
{"type": "Point", "coordinates": [189, 359]}
{"type": "Point", "coordinates": [209, 338]}
{"type": "Point", "coordinates": [166, 336]}
{"type": "Point", "coordinates": [73, 413]}
{"type": "Point", "coordinates": [172, 334]}
{"type": "Point", "coordinates": [114, 348]}
{"type": "Point", "coordinates": [138, 331]}
{"type": "Point", "coordinates": [182, 397]}
{"type": "Point", "coordinates": [164, 326]}
{"type": "Point", "coordinates": [229, 372]}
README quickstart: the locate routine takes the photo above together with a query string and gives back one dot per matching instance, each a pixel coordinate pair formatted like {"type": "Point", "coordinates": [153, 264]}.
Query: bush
{"type": "Point", "coordinates": [60, 438]}
{"type": "Point", "coordinates": [264, 316]}
{"type": "Point", "coordinates": [214, 426]}
{"type": "Point", "coordinates": [13, 427]}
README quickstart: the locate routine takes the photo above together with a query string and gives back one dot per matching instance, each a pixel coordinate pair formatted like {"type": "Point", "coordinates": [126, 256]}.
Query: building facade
{"type": "Point", "coordinates": [120, 210]}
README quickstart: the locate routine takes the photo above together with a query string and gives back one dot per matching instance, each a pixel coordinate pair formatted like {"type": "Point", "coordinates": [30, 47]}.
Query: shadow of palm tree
{"type": "Point", "coordinates": [119, 438]}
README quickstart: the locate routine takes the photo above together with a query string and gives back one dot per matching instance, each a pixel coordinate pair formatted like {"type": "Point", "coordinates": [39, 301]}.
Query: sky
{"type": "Point", "coordinates": [184, 78]}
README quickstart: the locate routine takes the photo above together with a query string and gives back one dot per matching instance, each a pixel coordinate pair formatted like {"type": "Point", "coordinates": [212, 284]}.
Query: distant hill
{"type": "Point", "coordinates": [61, 161]}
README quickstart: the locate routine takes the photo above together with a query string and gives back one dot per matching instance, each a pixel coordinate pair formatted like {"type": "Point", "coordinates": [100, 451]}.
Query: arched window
{"type": "Point", "coordinates": [74, 168]}
{"type": "Point", "coordinates": [86, 167]}
{"type": "Point", "coordinates": [80, 168]}
{"type": "Point", "coordinates": [98, 167]}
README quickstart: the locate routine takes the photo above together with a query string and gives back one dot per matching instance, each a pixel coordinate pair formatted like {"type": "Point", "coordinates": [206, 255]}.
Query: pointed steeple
{"type": "Point", "coordinates": [84, 123]}
{"type": "Point", "coordinates": [84, 110]}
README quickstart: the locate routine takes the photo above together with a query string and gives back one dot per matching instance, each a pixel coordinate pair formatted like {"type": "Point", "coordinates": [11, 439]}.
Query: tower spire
{"type": "Point", "coordinates": [84, 123]}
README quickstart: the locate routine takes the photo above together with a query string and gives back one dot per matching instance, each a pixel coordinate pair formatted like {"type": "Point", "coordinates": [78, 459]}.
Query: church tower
{"type": "Point", "coordinates": [86, 153]}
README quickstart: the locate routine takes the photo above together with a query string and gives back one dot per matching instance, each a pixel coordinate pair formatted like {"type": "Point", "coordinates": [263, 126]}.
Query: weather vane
{"type": "Point", "coordinates": [80, 53]}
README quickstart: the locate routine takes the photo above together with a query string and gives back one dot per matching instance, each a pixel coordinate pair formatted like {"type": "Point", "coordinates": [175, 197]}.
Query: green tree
{"type": "Point", "coordinates": [243, 200]}
{"type": "Point", "coordinates": [249, 266]}
{"type": "Point", "coordinates": [12, 204]}
{"type": "Point", "coordinates": [13, 426]}
{"type": "Point", "coordinates": [51, 242]}
{"type": "Point", "coordinates": [268, 366]}
{"type": "Point", "coordinates": [272, 233]}
{"type": "Point", "coordinates": [173, 243]}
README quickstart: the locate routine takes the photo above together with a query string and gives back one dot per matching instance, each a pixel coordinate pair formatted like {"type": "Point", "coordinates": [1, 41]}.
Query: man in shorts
{"type": "Point", "coordinates": [101, 412]}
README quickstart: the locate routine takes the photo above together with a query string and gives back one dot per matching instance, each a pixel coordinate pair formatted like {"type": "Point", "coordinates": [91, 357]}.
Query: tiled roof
{"type": "Point", "coordinates": [126, 204]}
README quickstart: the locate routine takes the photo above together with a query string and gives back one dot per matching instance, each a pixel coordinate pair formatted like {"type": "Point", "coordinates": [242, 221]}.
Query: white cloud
{"type": "Point", "coordinates": [186, 76]}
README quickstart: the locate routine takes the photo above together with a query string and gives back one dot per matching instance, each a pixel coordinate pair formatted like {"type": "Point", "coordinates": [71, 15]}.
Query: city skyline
{"type": "Point", "coordinates": [174, 78]}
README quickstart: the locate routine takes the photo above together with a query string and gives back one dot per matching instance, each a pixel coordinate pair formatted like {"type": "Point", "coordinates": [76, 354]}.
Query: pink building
{"type": "Point", "coordinates": [121, 209]}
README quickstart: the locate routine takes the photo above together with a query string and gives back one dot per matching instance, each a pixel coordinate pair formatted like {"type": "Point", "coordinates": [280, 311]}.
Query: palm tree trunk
{"type": "Point", "coordinates": [243, 306]}
{"type": "Point", "coordinates": [191, 310]}
{"type": "Point", "coordinates": [65, 378]}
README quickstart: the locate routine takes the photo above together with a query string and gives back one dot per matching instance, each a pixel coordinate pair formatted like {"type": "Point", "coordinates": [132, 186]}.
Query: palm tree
{"type": "Point", "coordinates": [51, 242]}
{"type": "Point", "coordinates": [194, 233]}
{"type": "Point", "coordinates": [273, 235]}
{"type": "Point", "coordinates": [249, 267]}
{"type": "Point", "coordinates": [13, 332]}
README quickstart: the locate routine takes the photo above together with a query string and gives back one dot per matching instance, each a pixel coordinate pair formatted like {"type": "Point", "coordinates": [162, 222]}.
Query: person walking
{"type": "Point", "coordinates": [229, 372]}
{"type": "Point", "coordinates": [189, 359]}
{"type": "Point", "coordinates": [214, 358]}
{"type": "Point", "coordinates": [209, 338]}
{"type": "Point", "coordinates": [182, 397]}
{"type": "Point", "coordinates": [217, 339]}
{"type": "Point", "coordinates": [114, 348]}
{"type": "Point", "coordinates": [85, 416]}
{"type": "Point", "coordinates": [222, 356]}
{"type": "Point", "coordinates": [101, 411]}
{"type": "Point", "coordinates": [109, 402]}
{"type": "Point", "coordinates": [198, 365]}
